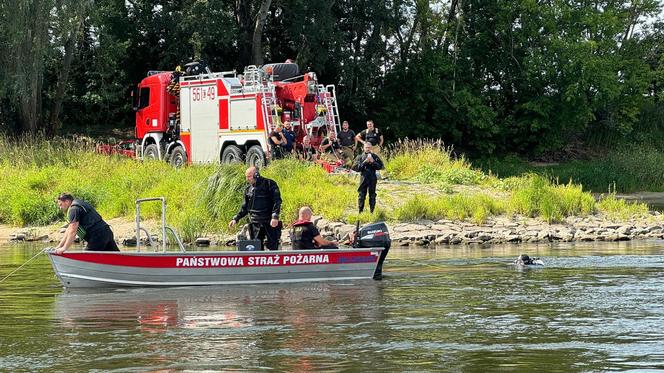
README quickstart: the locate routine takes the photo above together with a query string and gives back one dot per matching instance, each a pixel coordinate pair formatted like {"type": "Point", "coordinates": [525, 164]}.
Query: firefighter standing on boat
{"type": "Point", "coordinates": [262, 202]}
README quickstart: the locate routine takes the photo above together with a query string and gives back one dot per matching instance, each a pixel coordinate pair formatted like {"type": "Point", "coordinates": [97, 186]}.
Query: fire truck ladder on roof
{"type": "Point", "coordinates": [255, 81]}
{"type": "Point", "coordinates": [330, 102]}
{"type": "Point", "coordinates": [269, 104]}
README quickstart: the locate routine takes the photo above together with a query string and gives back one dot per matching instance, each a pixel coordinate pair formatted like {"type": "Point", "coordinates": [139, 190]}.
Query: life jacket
{"type": "Point", "coordinates": [297, 232]}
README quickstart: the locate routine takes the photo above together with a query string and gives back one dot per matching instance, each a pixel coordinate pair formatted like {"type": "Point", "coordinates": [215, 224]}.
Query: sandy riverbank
{"type": "Point", "coordinates": [495, 230]}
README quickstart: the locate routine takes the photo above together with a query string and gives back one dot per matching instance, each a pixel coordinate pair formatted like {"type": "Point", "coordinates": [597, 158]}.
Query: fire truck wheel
{"type": "Point", "coordinates": [178, 157]}
{"type": "Point", "coordinates": [256, 156]}
{"type": "Point", "coordinates": [151, 152]}
{"type": "Point", "coordinates": [232, 154]}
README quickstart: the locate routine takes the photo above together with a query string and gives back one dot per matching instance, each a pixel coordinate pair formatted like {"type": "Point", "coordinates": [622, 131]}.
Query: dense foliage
{"type": "Point", "coordinates": [489, 76]}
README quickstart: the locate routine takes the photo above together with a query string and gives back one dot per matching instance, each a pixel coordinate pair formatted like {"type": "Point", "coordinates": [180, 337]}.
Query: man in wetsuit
{"type": "Point", "coordinates": [277, 142]}
{"type": "Point", "coordinates": [305, 235]}
{"type": "Point", "coordinates": [262, 202]}
{"type": "Point", "coordinates": [525, 260]}
{"type": "Point", "coordinates": [367, 164]}
{"type": "Point", "coordinates": [85, 221]}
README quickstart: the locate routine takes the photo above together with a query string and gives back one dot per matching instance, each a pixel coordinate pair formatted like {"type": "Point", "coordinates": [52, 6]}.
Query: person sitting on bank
{"type": "Point", "coordinates": [330, 148]}
{"type": "Point", "coordinates": [307, 152]}
{"type": "Point", "coordinates": [289, 136]}
{"type": "Point", "coordinates": [305, 235]}
{"type": "Point", "coordinates": [277, 142]}
{"type": "Point", "coordinates": [85, 221]}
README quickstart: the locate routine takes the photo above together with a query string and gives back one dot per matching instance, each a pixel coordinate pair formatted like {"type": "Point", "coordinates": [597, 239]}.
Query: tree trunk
{"type": "Point", "coordinates": [257, 40]}
{"type": "Point", "coordinates": [32, 65]}
{"type": "Point", "coordinates": [450, 16]}
{"type": "Point", "coordinates": [243, 17]}
{"type": "Point", "coordinates": [55, 124]}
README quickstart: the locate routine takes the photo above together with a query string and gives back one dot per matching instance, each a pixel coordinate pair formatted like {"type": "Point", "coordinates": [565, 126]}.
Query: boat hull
{"type": "Point", "coordinates": [121, 269]}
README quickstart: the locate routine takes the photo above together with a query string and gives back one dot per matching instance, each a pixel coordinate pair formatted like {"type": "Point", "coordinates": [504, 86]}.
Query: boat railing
{"type": "Point", "coordinates": [177, 238]}
{"type": "Point", "coordinates": [163, 222]}
{"type": "Point", "coordinates": [150, 242]}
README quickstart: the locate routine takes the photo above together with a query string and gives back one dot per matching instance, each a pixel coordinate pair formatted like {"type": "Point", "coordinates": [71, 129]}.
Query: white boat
{"type": "Point", "coordinates": [183, 268]}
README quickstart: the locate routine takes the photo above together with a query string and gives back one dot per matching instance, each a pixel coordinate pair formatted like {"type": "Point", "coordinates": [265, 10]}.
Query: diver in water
{"type": "Point", "coordinates": [525, 260]}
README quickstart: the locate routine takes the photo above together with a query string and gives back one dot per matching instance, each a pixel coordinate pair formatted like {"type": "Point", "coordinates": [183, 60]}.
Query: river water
{"type": "Point", "coordinates": [592, 307]}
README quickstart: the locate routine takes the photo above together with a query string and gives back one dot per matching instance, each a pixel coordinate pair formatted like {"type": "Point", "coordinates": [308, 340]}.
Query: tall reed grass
{"type": "Point", "coordinates": [429, 161]}
{"type": "Point", "coordinates": [202, 199]}
{"type": "Point", "coordinates": [630, 169]}
{"type": "Point", "coordinates": [529, 194]}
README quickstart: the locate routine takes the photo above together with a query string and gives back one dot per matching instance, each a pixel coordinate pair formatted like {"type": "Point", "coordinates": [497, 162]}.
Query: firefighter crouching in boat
{"type": "Point", "coordinates": [305, 235]}
{"type": "Point", "coordinates": [262, 202]}
{"type": "Point", "coordinates": [85, 221]}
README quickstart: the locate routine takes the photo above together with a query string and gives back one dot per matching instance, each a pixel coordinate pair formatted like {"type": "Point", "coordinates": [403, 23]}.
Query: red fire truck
{"type": "Point", "coordinates": [199, 116]}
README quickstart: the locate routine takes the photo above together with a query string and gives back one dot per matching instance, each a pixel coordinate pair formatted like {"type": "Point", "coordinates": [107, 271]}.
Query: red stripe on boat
{"type": "Point", "coordinates": [216, 261]}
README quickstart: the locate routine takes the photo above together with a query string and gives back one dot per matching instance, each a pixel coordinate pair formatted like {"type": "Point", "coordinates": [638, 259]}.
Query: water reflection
{"type": "Point", "coordinates": [288, 320]}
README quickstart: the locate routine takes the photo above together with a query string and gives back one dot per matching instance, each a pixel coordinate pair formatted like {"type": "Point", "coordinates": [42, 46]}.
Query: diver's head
{"type": "Point", "coordinates": [524, 259]}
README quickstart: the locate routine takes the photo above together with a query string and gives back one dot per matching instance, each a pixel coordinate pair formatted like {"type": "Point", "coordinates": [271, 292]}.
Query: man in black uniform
{"type": "Point", "coordinates": [262, 201]}
{"type": "Point", "coordinates": [373, 136]}
{"type": "Point", "coordinates": [85, 221]}
{"type": "Point", "coordinates": [305, 235]}
{"type": "Point", "coordinates": [367, 164]}
{"type": "Point", "coordinates": [347, 141]}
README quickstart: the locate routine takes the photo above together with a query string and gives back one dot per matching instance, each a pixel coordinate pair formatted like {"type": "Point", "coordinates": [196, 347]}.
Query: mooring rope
{"type": "Point", "coordinates": [22, 265]}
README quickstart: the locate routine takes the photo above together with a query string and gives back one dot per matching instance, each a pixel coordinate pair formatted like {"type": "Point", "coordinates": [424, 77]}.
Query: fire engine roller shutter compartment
{"type": "Point", "coordinates": [243, 114]}
{"type": "Point", "coordinates": [202, 118]}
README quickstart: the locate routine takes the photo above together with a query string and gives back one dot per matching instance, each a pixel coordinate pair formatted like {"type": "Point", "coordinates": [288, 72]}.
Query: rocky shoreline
{"type": "Point", "coordinates": [495, 230]}
{"type": "Point", "coordinates": [512, 230]}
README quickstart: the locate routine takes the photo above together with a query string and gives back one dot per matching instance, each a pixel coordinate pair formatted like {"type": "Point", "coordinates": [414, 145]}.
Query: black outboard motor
{"type": "Point", "coordinates": [374, 235]}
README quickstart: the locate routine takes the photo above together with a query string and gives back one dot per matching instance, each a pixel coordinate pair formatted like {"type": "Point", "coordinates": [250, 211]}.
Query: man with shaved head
{"type": "Point", "coordinates": [305, 235]}
{"type": "Point", "coordinates": [262, 202]}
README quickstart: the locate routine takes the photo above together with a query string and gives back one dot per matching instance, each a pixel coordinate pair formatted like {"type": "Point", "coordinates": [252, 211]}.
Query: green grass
{"type": "Point", "coordinates": [627, 168]}
{"type": "Point", "coordinates": [429, 162]}
{"type": "Point", "coordinates": [538, 197]}
{"type": "Point", "coordinates": [457, 207]}
{"type": "Point", "coordinates": [619, 209]}
{"type": "Point", "coordinates": [529, 194]}
{"type": "Point", "coordinates": [202, 199]}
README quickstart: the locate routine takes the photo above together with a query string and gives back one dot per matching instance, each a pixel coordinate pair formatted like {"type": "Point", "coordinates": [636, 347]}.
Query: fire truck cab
{"type": "Point", "coordinates": [199, 116]}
